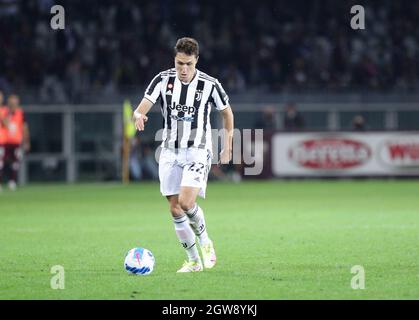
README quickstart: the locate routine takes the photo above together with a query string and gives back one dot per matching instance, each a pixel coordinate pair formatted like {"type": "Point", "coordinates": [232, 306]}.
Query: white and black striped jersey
{"type": "Point", "coordinates": [186, 108]}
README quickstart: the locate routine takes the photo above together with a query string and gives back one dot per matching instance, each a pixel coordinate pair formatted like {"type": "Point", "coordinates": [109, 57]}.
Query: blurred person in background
{"type": "Point", "coordinates": [266, 119]}
{"type": "Point", "coordinates": [17, 138]}
{"type": "Point", "coordinates": [148, 163]}
{"type": "Point", "coordinates": [293, 120]}
{"type": "Point", "coordinates": [358, 123]}
{"type": "Point", "coordinates": [142, 162]}
{"type": "Point", "coordinates": [134, 160]}
{"type": "Point", "coordinates": [3, 136]}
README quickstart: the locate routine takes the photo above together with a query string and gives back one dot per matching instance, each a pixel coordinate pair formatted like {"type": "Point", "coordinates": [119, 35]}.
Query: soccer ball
{"type": "Point", "coordinates": [139, 261]}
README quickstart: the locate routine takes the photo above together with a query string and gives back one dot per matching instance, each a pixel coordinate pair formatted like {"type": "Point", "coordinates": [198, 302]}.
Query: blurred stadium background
{"type": "Point", "coordinates": [333, 102]}
{"type": "Point", "coordinates": [268, 55]}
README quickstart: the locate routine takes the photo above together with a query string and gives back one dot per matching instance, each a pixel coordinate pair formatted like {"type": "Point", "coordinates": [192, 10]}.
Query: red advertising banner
{"type": "Point", "coordinates": [347, 154]}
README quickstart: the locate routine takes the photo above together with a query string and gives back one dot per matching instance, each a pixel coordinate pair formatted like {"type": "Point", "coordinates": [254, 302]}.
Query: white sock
{"type": "Point", "coordinates": [197, 221]}
{"type": "Point", "coordinates": [186, 237]}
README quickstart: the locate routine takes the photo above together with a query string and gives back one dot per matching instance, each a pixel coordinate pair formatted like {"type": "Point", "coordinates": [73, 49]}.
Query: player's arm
{"type": "Point", "coordinates": [228, 124]}
{"type": "Point", "coordinates": [152, 93]}
{"type": "Point", "coordinates": [220, 98]}
{"type": "Point", "coordinates": [140, 117]}
{"type": "Point", "coordinates": [3, 121]}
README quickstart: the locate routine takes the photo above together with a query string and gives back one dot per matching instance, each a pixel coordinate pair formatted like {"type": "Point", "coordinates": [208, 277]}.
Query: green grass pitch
{"type": "Point", "coordinates": [274, 240]}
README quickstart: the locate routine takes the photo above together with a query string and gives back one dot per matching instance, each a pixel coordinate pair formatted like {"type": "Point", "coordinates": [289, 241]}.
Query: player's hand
{"type": "Point", "coordinates": [140, 120]}
{"type": "Point", "coordinates": [225, 156]}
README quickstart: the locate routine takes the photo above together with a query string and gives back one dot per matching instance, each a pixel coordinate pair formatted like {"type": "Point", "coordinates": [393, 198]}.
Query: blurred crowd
{"type": "Point", "coordinates": [261, 46]}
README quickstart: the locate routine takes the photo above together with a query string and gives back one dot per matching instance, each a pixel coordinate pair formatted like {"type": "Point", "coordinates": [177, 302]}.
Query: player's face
{"type": "Point", "coordinates": [185, 66]}
{"type": "Point", "coordinates": [13, 102]}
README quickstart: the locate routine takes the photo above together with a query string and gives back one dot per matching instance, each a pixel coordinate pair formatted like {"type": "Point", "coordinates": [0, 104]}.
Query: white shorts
{"type": "Point", "coordinates": [184, 168]}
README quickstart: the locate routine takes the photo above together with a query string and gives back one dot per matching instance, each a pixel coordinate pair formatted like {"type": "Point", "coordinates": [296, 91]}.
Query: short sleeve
{"type": "Point", "coordinates": [219, 96]}
{"type": "Point", "coordinates": [152, 92]}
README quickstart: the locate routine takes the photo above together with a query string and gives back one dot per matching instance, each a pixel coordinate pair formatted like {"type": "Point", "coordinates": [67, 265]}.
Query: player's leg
{"type": "Point", "coordinates": [194, 182]}
{"type": "Point", "coordinates": [2, 158]}
{"type": "Point", "coordinates": [170, 175]}
{"type": "Point", "coordinates": [7, 162]}
{"type": "Point", "coordinates": [15, 156]}
{"type": "Point", "coordinates": [185, 235]}
{"type": "Point", "coordinates": [187, 201]}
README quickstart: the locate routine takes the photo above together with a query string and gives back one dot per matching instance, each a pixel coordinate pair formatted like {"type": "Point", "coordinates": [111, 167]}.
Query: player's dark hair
{"type": "Point", "coordinates": [188, 46]}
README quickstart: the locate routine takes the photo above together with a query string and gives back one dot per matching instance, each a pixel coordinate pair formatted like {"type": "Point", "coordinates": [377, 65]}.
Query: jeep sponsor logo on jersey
{"type": "Point", "coordinates": [402, 152]}
{"type": "Point", "coordinates": [182, 108]}
{"type": "Point", "coordinates": [188, 112]}
{"type": "Point", "coordinates": [330, 153]}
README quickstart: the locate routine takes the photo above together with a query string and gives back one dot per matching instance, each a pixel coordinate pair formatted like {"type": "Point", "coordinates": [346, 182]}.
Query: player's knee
{"type": "Point", "coordinates": [176, 210]}
{"type": "Point", "coordinates": [15, 166]}
{"type": "Point", "coordinates": [186, 204]}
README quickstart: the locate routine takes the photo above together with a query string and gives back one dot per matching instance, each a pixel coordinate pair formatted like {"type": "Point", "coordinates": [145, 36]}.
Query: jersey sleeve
{"type": "Point", "coordinates": [152, 92]}
{"type": "Point", "coordinates": [219, 96]}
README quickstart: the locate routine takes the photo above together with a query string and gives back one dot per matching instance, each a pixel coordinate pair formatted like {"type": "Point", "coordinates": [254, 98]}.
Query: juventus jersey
{"type": "Point", "coordinates": [186, 108]}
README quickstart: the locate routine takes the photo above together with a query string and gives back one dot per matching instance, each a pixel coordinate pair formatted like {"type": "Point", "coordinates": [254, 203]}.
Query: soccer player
{"type": "Point", "coordinates": [3, 136]}
{"type": "Point", "coordinates": [187, 96]}
{"type": "Point", "coordinates": [17, 136]}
